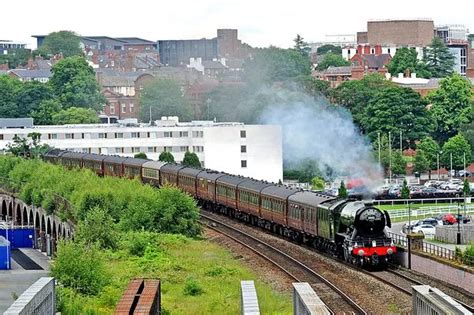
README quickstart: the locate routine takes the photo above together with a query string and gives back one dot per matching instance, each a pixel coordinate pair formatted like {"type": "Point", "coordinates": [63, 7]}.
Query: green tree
{"type": "Point", "coordinates": [324, 49]}
{"type": "Point", "coordinates": [166, 156]}
{"type": "Point", "coordinates": [66, 43]}
{"type": "Point", "coordinates": [405, 193]}
{"type": "Point", "coordinates": [399, 164]}
{"type": "Point", "coordinates": [16, 57]}
{"type": "Point", "coordinates": [141, 155]}
{"type": "Point", "coordinates": [31, 95]}
{"type": "Point", "coordinates": [409, 115]}
{"type": "Point", "coordinates": [421, 162]}
{"type": "Point", "coordinates": [451, 106]}
{"type": "Point", "coordinates": [28, 147]}
{"type": "Point", "coordinates": [456, 147]}
{"type": "Point", "coordinates": [9, 89]}
{"type": "Point", "coordinates": [74, 84]}
{"type": "Point", "coordinates": [406, 59]}
{"type": "Point", "coordinates": [317, 183]}
{"type": "Point", "coordinates": [165, 98]}
{"type": "Point", "coordinates": [466, 189]}
{"type": "Point", "coordinates": [438, 59]}
{"type": "Point", "coordinates": [332, 60]}
{"type": "Point", "coordinates": [191, 160]}
{"type": "Point", "coordinates": [75, 115]}
{"type": "Point", "coordinates": [430, 149]}
{"type": "Point", "coordinates": [315, 87]}
{"type": "Point", "coordinates": [467, 130]}
{"type": "Point", "coordinates": [97, 228]}
{"type": "Point", "coordinates": [269, 65]}
{"type": "Point", "coordinates": [43, 115]}
{"type": "Point", "coordinates": [301, 46]}
{"type": "Point", "coordinates": [355, 94]}
{"type": "Point", "coordinates": [80, 268]}
{"type": "Point", "coordinates": [342, 191]}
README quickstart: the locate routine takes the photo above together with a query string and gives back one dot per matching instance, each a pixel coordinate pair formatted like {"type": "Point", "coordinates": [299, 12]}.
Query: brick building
{"type": "Point", "coordinates": [411, 33]}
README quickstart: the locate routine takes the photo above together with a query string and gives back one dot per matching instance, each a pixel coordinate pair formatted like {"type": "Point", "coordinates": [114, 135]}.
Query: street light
{"type": "Point", "coordinates": [458, 236]}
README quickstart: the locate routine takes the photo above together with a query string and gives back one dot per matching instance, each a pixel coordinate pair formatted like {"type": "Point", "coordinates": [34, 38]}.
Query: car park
{"type": "Point", "coordinates": [446, 218]}
{"type": "Point", "coordinates": [425, 229]}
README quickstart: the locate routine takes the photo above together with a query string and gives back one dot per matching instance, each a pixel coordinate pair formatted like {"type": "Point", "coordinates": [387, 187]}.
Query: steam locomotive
{"type": "Point", "coordinates": [348, 228]}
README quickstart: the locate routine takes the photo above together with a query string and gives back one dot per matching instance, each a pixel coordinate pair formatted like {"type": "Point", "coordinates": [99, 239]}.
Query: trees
{"type": "Point", "coordinates": [451, 106]}
{"type": "Point", "coordinates": [66, 43]}
{"type": "Point", "coordinates": [28, 147]}
{"type": "Point", "coordinates": [438, 59]}
{"type": "Point", "coordinates": [165, 98]}
{"type": "Point", "coordinates": [141, 155]}
{"type": "Point", "coordinates": [324, 49]}
{"type": "Point", "coordinates": [466, 189]}
{"type": "Point", "coordinates": [456, 147]}
{"type": "Point", "coordinates": [97, 228]}
{"type": "Point", "coordinates": [9, 89]}
{"type": "Point", "coordinates": [31, 95]}
{"type": "Point", "coordinates": [342, 191]}
{"type": "Point", "coordinates": [43, 115]}
{"type": "Point", "coordinates": [430, 149]}
{"type": "Point", "coordinates": [75, 115]}
{"type": "Point", "coordinates": [191, 159]}
{"type": "Point", "coordinates": [315, 87]}
{"type": "Point", "coordinates": [74, 84]}
{"type": "Point", "coordinates": [16, 57]}
{"type": "Point", "coordinates": [421, 162]}
{"type": "Point", "coordinates": [301, 46]}
{"type": "Point", "coordinates": [409, 115]}
{"type": "Point", "coordinates": [407, 59]}
{"type": "Point", "coordinates": [405, 193]}
{"type": "Point", "coordinates": [332, 60]}
{"type": "Point", "coordinates": [317, 183]}
{"type": "Point", "coordinates": [399, 164]}
{"type": "Point", "coordinates": [166, 156]}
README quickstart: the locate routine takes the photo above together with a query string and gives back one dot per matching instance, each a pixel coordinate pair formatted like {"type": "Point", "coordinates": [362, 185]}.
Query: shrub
{"type": "Point", "coordinates": [80, 268]}
{"type": "Point", "coordinates": [98, 228]}
{"type": "Point", "coordinates": [468, 256]}
{"type": "Point", "coordinates": [192, 287]}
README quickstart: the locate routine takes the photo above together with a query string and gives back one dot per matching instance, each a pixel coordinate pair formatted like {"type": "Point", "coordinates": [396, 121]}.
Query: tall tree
{"type": "Point", "coordinates": [430, 150]}
{"type": "Point", "coordinates": [409, 115]}
{"type": "Point", "coordinates": [31, 95]}
{"type": "Point", "coordinates": [16, 57]}
{"type": "Point", "coordinates": [317, 183]}
{"type": "Point", "coordinates": [75, 115]}
{"type": "Point", "coordinates": [75, 85]}
{"type": "Point", "coordinates": [332, 60]}
{"type": "Point", "coordinates": [165, 98]}
{"type": "Point", "coordinates": [43, 115]}
{"type": "Point", "coordinates": [421, 163]}
{"type": "Point", "coordinates": [399, 164]}
{"type": "Point", "coordinates": [406, 59]}
{"type": "Point", "coordinates": [438, 59]}
{"type": "Point", "coordinates": [405, 193]}
{"type": "Point", "coordinates": [451, 106]}
{"type": "Point", "coordinates": [342, 191]}
{"type": "Point", "coordinates": [66, 43]}
{"type": "Point", "coordinates": [324, 49]}
{"type": "Point", "coordinates": [191, 160]}
{"type": "Point", "coordinates": [166, 156]}
{"type": "Point", "coordinates": [456, 148]}
{"type": "Point", "coordinates": [301, 46]}
{"type": "Point", "coordinates": [9, 89]}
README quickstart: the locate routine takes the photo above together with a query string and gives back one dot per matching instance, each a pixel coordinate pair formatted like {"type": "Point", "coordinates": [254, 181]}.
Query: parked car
{"type": "Point", "coordinates": [461, 173]}
{"type": "Point", "coordinates": [463, 218]}
{"type": "Point", "coordinates": [429, 191]}
{"type": "Point", "coordinates": [426, 229]}
{"type": "Point", "coordinates": [446, 218]}
{"type": "Point", "coordinates": [395, 192]}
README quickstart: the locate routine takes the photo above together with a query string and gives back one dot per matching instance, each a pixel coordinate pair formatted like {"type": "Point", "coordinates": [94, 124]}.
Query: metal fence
{"type": "Point", "coordinates": [430, 211]}
{"type": "Point", "coordinates": [421, 201]}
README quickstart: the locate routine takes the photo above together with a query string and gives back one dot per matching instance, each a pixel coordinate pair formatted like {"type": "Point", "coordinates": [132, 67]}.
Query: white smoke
{"type": "Point", "coordinates": [314, 129]}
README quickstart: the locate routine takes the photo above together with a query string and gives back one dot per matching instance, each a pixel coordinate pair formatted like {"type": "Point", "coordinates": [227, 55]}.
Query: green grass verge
{"type": "Point", "coordinates": [414, 206]}
{"type": "Point", "coordinates": [198, 277]}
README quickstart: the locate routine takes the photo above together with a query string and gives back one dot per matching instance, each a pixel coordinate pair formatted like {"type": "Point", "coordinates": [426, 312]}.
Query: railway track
{"type": "Point", "coordinates": [336, 300]}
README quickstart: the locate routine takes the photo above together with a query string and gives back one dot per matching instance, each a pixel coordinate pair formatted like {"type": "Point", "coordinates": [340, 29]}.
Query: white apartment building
{"type": "Point", "coordinates": [247, 150]}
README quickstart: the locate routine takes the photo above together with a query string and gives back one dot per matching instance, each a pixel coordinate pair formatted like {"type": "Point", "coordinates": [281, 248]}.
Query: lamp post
{"type": "Point", "coordinates": [390, 156]}
{"type": "Point", "coordinates": [458, 236]}
{"type": "Point", "coordinates": [409, 235]}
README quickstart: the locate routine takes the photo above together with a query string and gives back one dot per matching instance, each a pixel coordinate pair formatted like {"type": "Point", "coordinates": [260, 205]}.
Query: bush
{"type": "Point", "coordinates": [468, 256]}
{"type": "Point", "coordinates": [97, 228]}
{"type": "Point", "coordinates": [135, 243]}
{"type": "Point", "coordinates": [192, 287]}
{"type": "Point", "coordinates": [80, 268]}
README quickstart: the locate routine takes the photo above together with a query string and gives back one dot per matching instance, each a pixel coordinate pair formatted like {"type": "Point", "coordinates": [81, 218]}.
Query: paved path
{"type": "Point", "coordinates": [15, 281]}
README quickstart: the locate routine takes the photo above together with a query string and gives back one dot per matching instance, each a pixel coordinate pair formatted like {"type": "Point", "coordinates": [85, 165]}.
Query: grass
{"type": "Point", "coordinates": [414, 206]}
{"type": "Point", "coordinates": [197, 277]}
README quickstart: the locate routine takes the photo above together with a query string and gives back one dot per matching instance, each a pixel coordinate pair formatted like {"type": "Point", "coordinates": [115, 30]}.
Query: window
{"type": "Point", "coordinates": [372, 51]}
{"type": "Point", "coordinates": [168, 134]}
{"type": "Point", "coordinates": [102, 135]}
{"type": "Point", "coordinates": [148, 134]}
{"type": "Point", "coordinates": [124, 108]}
{"type": "Point", "coordinates": [69, 136]}
{"type": "Point", "coordinates": [167, 149]}
{"type": "Point", "coordinates": [52, 136]}
{"type": "Point", "coordinates": [135, 135]}
{"type": "Point", "coordinates": [1, 137]}
{"type": "Point", "coordinates": [83, 135]}
{"type": "Point", "coordinates": [388, 50]}
{"type": "Point", "coordinates": [119, 135]}
{"type": "Point", "coordinates": [243, 149]}
{"type": "Point", "coordinates": [184, 148]}
{"type": "Point", "coordinates": [243, 134]}
{"type": "Point", "coordinates": [183, 134]}
{"type": "Point", "coordinates": [198, 148]}
{"type": "Point", "coordinates": [85, 150]}
{"type": "Point", "coordinates": [243, 163]}
{"type": "Point", "coordinates": [119, 150]}
{"type": "Point", "coordinates": [135, 149]}
{"type": "Point", "coordinates": [150, 149]}
{"type": "Point", "coordinates": [198, 134]}
{"type": "Point", "coordinates": [112, 109]}
{"type": "Point", "coordinates": [132, 108]}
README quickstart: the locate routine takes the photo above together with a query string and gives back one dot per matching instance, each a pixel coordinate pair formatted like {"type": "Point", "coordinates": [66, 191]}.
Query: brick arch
{"type": "Point", "coordinates": [10, 210]}
{"type": "Point", "coordinates": [43, 224]}
{"type": "Point", "coordinates": [24, 216]}
{"type": "Point", "coordinates": [37, 221]}
{"type": "Point", "coordinates": [18, 214]}
{"type": "Point", "coordinates": [48, 226]}
{"type": "Point", "coordinates": [54, 232]}
{"type": "Point", "coordinates": [31, 219]}
{"type": "Point", "coordinates": [4, 210]}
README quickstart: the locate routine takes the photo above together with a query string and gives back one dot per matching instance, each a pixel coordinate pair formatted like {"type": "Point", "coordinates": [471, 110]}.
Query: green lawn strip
{"type": "Point", "coordinates": [414, 206]}
{"type": "Point", "coordinates": [210, 271]}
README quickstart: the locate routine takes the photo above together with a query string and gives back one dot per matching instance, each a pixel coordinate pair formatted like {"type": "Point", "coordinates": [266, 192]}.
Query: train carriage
{"type": "Point", "coordinates": [94, 162]}
{"type": "Point", "coordinates": [72, 159]}
{"type": "Point", "coordinates": [169, 174]}
{"type": "Point", "coordinates": [206, 185]}
{"type": "Point", "coordinates": [274, 203]}
{"type": "Point", "coordinates": [113, 166]}
{"type": "Point", "coordinates": [187, 180]}
{"type": "Point", "coordinates": [151, 172]}
{"type": "Point", "coordinates": [303, 211]}
{"type": "Point", "coordinates": [53, 156]}
{"type": "Point", "coordinates": [132, 167]}
{"type": "Point", "coordinates": [248, 195]}
{"type": "Point", "coordinates": [226, 190]}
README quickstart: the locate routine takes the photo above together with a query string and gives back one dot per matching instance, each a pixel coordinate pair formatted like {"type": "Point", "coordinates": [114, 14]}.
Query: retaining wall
{"type": "Point", "coordinates": [448, 233]}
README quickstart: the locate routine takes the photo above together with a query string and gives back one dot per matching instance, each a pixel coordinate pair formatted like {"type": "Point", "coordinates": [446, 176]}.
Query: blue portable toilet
{"type": "Point", "coordinates": [5, 254]}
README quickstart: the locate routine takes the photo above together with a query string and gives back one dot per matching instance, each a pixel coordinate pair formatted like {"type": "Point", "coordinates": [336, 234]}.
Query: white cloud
{"type": "Point", "coordinates": [260, 22]}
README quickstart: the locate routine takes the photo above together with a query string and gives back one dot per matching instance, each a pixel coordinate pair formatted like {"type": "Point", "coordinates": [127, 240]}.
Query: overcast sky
{"type": "Point", "coordinates": [260, 22]}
